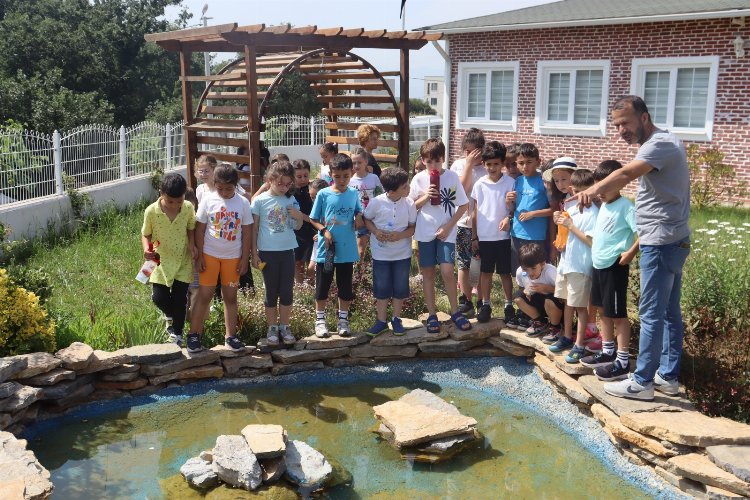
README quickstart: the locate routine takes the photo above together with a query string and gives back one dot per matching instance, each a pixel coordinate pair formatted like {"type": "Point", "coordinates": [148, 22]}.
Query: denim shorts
{"type": "Point", "coordinates": [432, 253]}
{"type": "Point", "coordinates": [390, 278]}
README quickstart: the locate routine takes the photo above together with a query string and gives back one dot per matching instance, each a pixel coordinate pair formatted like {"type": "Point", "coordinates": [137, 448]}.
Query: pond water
{"type": "Point", "coordinates": [134, 449]}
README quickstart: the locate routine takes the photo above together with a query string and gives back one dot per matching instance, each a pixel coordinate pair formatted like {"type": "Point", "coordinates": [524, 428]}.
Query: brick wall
{"type": "Point", "coordinates": [620, 45]}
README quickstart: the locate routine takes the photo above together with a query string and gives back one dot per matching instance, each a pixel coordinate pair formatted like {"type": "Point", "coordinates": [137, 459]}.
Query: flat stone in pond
{"type": "Point", "coordinates": [9, 367]}
{"type": "Point", "coordinates": [415, 424]}
{"type": "Point", "coordinates": [521, 338]}
{"type": "Point", "coordinates": [75, 398]}
{"type": "Point", "coordinates": [511, 347]}
{"type": "Point", "coordinates": [576, 369]}
{"type": "Point", "coordinates": [7, 389]}
{"type": "Point", "coordinates": [76, 356]}
{"type": "Point", "coordinates": [700, 468]}
{"type": "Point", "coordinates": [36, 363]}
{"type": "Point", "coordinates": [734, 459]}
{"type": "Point", "coordinates": [198, 372]}
{"type": "Point", "coordinates": [611, 422]}
{"type": "Point", "coordinates": [266, 441]}
{"type": "Point", "coordinates": [235, 463]}
{"type": "Point", "coordinates": [21, 465]}
{"type": "Point", "coordinates": [430, 400]}
{"type": "Point", "coordinates": [620, 406]}
{"type": "Point", "coordinates": [689, 428]}
{"type": "Point", "coordinates": [289, 356]}
{"type": "Point", "coordinates": [306, 466]}
{"type": "Point", "coordinates": [184, 361]}
{"type": "Point", "coordinates": [129, 385]}
{"type": "Point", "coordinates": [50, 378]}
{"type": "Point", "coordinates": [282, 369]}
{"type": "Point", "coordinates": [414, 336]}
{"type": "Point", "coordinates": [571, 386]}
{"type": "Point", "coordinates": [199, 473]}
{"type": "Point", "coordinates": [450, 345]}
{"type": "Point", "coordinates": [334, 341]}
{"type": "Point", "coordinates": [20, 399]}
{"type": "Point", "coordinates": [371, 351]}
{"type": "Point", "coordinates": [153, 353]}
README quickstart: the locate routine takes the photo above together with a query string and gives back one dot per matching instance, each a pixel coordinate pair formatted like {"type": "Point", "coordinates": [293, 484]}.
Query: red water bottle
{"type": "Point", "coordinates": [435, 181]}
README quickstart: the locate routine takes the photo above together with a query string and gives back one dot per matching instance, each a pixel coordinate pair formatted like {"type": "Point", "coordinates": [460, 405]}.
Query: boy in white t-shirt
{"type": "Point", "coordinates": [391, 218]}
{"type": "Point", "coordinates": [368, 185]}
{"type": "Point", "coordinates": [469, 169]}
{"type": "Point", "coordinates": [436, 229]}
{"type": "Point", "coordinates": [489, 228]}
{"type": "Point", "coordinates": [536, 278]}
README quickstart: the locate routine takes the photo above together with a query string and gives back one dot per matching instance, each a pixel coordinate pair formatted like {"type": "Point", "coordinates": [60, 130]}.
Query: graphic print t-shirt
{"type": "Point", "coordinates": [224, 220]}
{"type": "Point", "coordinates": [368, 186]}
{"type": "Point", "coordinates": [275, 225]}
{"type": "Point", "coordinates": [431, 217]}
{"type": "Point", "coordinates": [337, 212]}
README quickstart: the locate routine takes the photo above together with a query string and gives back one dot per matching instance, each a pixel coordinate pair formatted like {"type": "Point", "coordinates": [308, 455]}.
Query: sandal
{"type": "Point", "coordinates": [433, 325]}
{"type": "Point", "coordinates": [460, 321]}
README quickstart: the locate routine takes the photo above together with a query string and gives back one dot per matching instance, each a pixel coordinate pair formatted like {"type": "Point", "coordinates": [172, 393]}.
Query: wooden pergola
{"type": "Point", "coordinates": [236, 99]}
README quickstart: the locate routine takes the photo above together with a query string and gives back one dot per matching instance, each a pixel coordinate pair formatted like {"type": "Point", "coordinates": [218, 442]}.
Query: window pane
{"type": "Point", "coordinates": [559, 92]}
{"type": "Point", "coordinates": [691, 97]}
{"type": "Point", "coordinates": [656, 95]}
{"type": "Point", "coordinates": [501, 95]}
{"type": "Point", "coordinates": [588, 97]}
{"type": "Point", "coordinates": [477, 95]}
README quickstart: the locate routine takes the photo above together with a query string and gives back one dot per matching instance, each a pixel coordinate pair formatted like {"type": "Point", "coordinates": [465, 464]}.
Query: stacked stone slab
{"type": "Point", "coordinates": [424, 427]}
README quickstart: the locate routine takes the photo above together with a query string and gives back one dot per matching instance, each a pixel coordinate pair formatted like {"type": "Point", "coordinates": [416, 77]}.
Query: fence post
{"type": "Point", "coordinates": [312, 131]}
{"type": "Point", "coordinates": [57, 161]}
{"type": "Point", "coordinates": [123, 154]}
{"type": "Point", "coordinates": [168, 145]}
{"type": "Point", "coordinates": [429, 128]}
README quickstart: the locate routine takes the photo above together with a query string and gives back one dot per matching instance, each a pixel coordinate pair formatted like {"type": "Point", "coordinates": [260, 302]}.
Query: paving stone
{"type": "Point", "coordinates": [7, 389]}
{"type": "Point", "coordinates": [568, 384]}
{"type": "Point", "coordinates": [478, 330]}
{"type": "Point", "coordinates": [263, 346]}
{"type": "Point", "coordinates": [714, 493]}
{"type": "Point", "coordinates": [511, 347]}
{"type": "Point", "coordinates": [255, 361]}
{"type": "Point", "coordinates": [371, 351]}
{"type": "Point", "coordinates": [118, 377]}
{"type": "Point", "coordinates": [347, 361]}
{"type": "Point", "coordinates": [12, 489]}
{"type": "Point", "coordinates": [66, 388]}
{"type": "Point", "coordinates": [733, 459]}
{"type": "Point", "coordinates": [10, 367]}
{"type": "Point", "coordinates": [20, 465]}
{"type": "Point", "coordinates": [700, 468]}
{"type": "Point", "coordinates": [415, 424]}
{"type": "Point", "coordinates": [450, 345]}
{"type": "Point", "coordinates": [688, 428]}
{"type": "Point", "coordinates": [20, 399]}
{"type": "Point", "coordinates": [183, 362]}
{"type": "Point", "coordinates": [153, 353]}
{"type": "Point", "coordinates": [227, 352]}
{"type": "Point", "coordinates": [620, 406]}
{"type": "Point", "coordinates": [130, 385]}
{"type": "Point", "coordinates": [248, 373]}
{"type": "Point", "coordinates": [266, 441]}
{"type": "Point", "coordinates": [575, 369]}
{"type": "Point", "coordinates": [612, 422]}
{"type": "Point", "coordinates": [36, 363]}
{"type": "Point", "coordinates": [282, 369]}
{"type": "Point", "coordinates": [198, 372]}
{"type": "Point", "coordinates": [103, 360]}
{"type": "Point", "coordinates": [422, 397]}
{"type": "Point", "coordinates": [334, 341]}
{"type": "Point", "coordinates": [684, 484]}
{"type": "Point", "coordinates": [521, 338]}
{"type": "Point", "coordinates": [50, 378]}
{"type": "Point", "coordinates": [289, 356]}
{"type": "Point", "coordinates": [653, 460]}
{"type": "Point", "coordinates": [76, 356]}
{"type": "Point", "coordinates": [413, 336]}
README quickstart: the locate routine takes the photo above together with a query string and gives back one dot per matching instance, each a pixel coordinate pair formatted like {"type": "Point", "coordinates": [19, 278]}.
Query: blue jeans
{"type": "Point", "coordinates": [660, 343]}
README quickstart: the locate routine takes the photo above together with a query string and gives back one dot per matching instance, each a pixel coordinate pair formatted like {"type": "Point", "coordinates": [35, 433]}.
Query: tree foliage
{"type": "Point", "coordinates": [293, 96]}
{"type": "Point", "coordinates": [71, 62]}
{"type": "Point", "coordinates": [420, 107]}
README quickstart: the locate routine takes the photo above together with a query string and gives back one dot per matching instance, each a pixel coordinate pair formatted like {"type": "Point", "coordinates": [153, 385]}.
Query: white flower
{"type": "Point", "coordinates": [746, 224]}
{"type": "Point", "coordinates": [712, 239]}
{"type": "Point", "coordinates": [736, 242]}
{"type": "Point", "coordinates": [711, 255]}
{"type": "Point", "coordinates": [731, 260]}
{"type": "Point", "coordinates": [713, 221]}
{"type": "Point", "coordinates": [701, 230]}
{"type": "Point", "coordinates": [724, 245]}
{"type": "Point", "coordinates": [724, 223]}
{"type": "Point", "coordinates": [712, 231]}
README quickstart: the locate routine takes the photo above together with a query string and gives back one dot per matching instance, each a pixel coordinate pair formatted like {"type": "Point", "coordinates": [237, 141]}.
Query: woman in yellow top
{"type": "Point", "coordinates": [169, 227]}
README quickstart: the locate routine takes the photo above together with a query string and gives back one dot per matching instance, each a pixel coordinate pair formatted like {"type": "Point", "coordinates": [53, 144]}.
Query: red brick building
{"type": "Point", "coordinates": [549, 75]}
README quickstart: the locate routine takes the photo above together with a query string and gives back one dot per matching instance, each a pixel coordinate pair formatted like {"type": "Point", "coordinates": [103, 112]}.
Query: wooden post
{"type": "Point", "coordinates": [403, 110]}
{"type": "Point", "coordinates": [191, 147]}
{"type": "Point", "coordinates": [253, 119]}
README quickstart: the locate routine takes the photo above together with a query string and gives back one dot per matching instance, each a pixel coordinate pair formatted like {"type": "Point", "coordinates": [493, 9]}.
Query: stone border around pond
{"type": "Point", "coordinates": [702, 456]}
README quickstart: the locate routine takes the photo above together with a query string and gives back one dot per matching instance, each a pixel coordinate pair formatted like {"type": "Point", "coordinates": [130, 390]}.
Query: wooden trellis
{"type": "Point", "coordinates": [236, 98]}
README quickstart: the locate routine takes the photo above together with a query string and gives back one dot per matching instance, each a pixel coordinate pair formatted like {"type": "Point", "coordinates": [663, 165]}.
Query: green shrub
{"type": "Point", "coordinates": [24, 323]}
{"type": "Point", "coordinates": [35, 280]}
{"type": "Point", "coordinates": [711, 180]}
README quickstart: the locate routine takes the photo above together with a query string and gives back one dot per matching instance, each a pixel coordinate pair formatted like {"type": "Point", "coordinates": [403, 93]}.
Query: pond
{"type": "Point", "coordinates": [133, 448]}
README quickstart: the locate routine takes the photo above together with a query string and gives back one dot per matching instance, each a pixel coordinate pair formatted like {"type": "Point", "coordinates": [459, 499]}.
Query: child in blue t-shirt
{"type": "Point", "coordinates": [276, 215]}
{"type": "Point", "coordinates": [334, 214]}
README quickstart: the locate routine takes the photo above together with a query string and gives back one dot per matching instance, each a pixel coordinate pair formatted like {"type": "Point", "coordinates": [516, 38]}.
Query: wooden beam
{"type": "Point", "coordinates": [384, 127]}
{"type": "Point", "coordinates": [231, 96]}
{"type": "Point", "coordinates": [223, 110]}
{"type": "Point", "coordinates": [384, 158]}
{"type": "Point", "coordinates": [373, 33]}
{"type": "Point", "coordinates": [369, 39]}
{"type": "Point", "coordinates": [241, 83]}
{"type": "Point", "coordinates": [329, 31]}
{"type": "Point", "coordinates": [187, 116]}
{"type": "Point", "coordinates": [207, 125]}
{"type": "Point", "coordinates": [253, 121]}
{"type": "Point", "coordinates": [251, 28]}
{"type": "Point", "coordinates": [304, 30]}
{"type": "Point", "coordinates": [179, 35]}
{"type": "Point", "coordinates": [395, 34]}
{"type": "Point", "coordinates": [352, 98]}
{"type": "Point", "coordinates": [224, 141]}
{"type": "Point", "coordinates": [432, 36]}
{"type": "Point", "coordinates": [380, 113]}
{"type": "Point", "coordinates": [332, 66]}
{"type": "Point", "coordinates": [347, 76]}
{"type": "Point", "coordinates": [278, 30]}
{"type": "Point", "coordinates": [339, 139]}
{"type": "Point", "coordinates": [403, 109]}
{"type": "Point", "coordinates": [231, 158]}
{"type": "Point", "coordinates": [215, 78]}
{"type": "Point", "coordinates": [348, 86]}
{"type": "Point", "coordinates": [352, 32]}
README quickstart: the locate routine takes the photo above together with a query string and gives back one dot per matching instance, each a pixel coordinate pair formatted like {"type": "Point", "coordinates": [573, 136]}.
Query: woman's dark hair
{"type": "Point", "coordinates": [330, 147]}
{"type": "Point", "coordinates": [226, 174]}
{"type": "Point", "coordinates": [318, 184]}
{"type": "Point", "coordinates": [280, 169]}
{"type": "Point", "coordinates": [301, 165]}
{"type": "Point", "coordinates": [605, 168]}
{"type": "Point", "coordinates": [173, 185]}
{"type": "Point", "coordinates": [581, 178]}
{"type": "Point", "coordinates": [493, 150]}
{"type": "Point", "coordinates": [531, 254]}
{"type": "Point", "coordinates": [341, 162]}
{"type": "Point", "coordinates": [528, 150]}
{"type": "Point", "coordinates": [393, 178]}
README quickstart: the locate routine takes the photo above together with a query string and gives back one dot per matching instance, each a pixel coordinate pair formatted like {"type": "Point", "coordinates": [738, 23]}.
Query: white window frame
{"type": "Point", "coordinates": [464, 122]}
{"type": "Point", "coordinates": [547, 127]}
{"type": "Point", "coordinates": [672, 64]}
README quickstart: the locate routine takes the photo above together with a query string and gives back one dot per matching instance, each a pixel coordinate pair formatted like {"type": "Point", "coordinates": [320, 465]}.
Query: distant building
{"type": "Point", "coordinates": [433, 92]}
{"type": "Point", "coordinates": [391, 84]}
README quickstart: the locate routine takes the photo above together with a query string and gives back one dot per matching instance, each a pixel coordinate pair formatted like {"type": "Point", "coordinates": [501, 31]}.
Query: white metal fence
{"type": "Point", "coordinates": [33, 164]}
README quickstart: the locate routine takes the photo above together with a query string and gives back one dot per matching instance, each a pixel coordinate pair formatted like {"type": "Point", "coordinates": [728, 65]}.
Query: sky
{"type": "Point", "coordinates": [369, 14]}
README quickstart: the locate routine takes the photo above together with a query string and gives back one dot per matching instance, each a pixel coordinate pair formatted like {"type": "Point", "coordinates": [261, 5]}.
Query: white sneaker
{"type": "Point", "coordinates": [272, 336]}
{"type": "Point", "coordinates": [287, 337]}
{"type": "Point", "coordinates": [344, 328]}
{"type": "Point", "coordinates": [175, 339]}
{"type": "Point", "coordinates": [630, 389]}
{"type": "Point", "coordinates": [321, 330]}
{"type": "Point", "coordinates": [670, 388]}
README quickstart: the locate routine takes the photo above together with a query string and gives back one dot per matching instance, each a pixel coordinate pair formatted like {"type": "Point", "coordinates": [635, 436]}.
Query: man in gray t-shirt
{"type": "Point", "coordinates": [662, 209]}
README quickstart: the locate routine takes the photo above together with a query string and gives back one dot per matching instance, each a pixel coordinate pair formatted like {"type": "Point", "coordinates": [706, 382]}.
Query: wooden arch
{"type": "Point", "coordinates": [236, 98]}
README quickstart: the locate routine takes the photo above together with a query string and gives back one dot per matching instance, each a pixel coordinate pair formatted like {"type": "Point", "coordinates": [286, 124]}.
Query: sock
{"type": "Point", "coordinates": [343, 314]}
{"type": "Point", "coordinates": [623, 359]}
{"type": "Point", "coordinates": [487, 302]}
{"type": "Point", "coordinates": [320, 315]}
{"type": "Point", "coordinates": [508, 303]}
{"type": "Point", "coordinates": [608, 347]}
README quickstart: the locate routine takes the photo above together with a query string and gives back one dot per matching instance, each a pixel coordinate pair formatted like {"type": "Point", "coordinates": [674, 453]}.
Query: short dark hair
{"type": "Point", "coordinates": [393, 178]}
{"type": "Point", "coordinates": [513, 149]}
{"type": "Point", "coordinates": [605, 168]}
{"type": "Point", "coordinates": [473, 137]}
{"type": "Point", "coordinates": [531, 254]}
{"type": "Point", "coordinates": [341, 162]}
{"type": "Point", "coordinates": [493, 150]}
{"type": "Point", "coordinates": [528, 150]}
{"type": "Point", "coordinates": [190, 196]}
{"type": "Point", "coordinates": [638, 104]}
{"type": "Point", "coordinates": [318, 184]}
{"type": "Point", "coordinates": [581, 178]}
{"type": "Point", "coordinates": [173, 185]}
{"type": "Point", "coordinates": [434, 149]}
{"type": "Point", "coordinates": [301, 164]}
{"type": "Point", "coordinates": [226, 174]}
{"type": "Point", "coordinates": [330, 147]}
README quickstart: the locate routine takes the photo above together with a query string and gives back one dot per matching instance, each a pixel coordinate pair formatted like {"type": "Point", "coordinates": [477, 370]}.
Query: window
{"type": "Point", "coordinates": [680, 93]}
{"type": "Point", "coordinates": [433, 101]}
{"type": "Point", "coordinates": [433, 87]}
{"type": "Point", "coordinates": [488, 95]}
{"type": "Point", "coordinates": [571, 98]}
